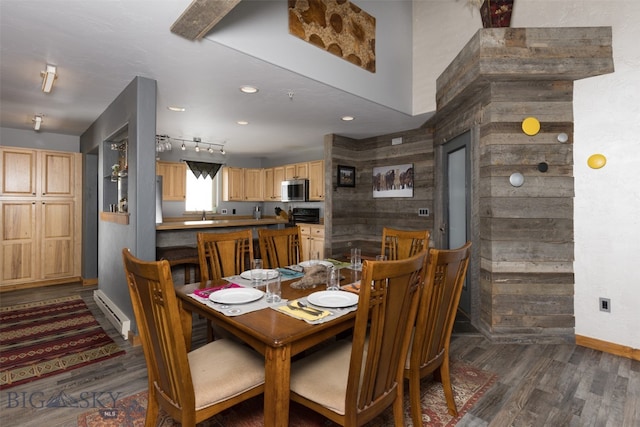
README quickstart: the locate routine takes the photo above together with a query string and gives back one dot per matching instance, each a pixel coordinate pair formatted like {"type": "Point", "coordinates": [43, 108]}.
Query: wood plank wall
{"type": "Point", "coordinates": [357, 218]}
{"type": "Point", "coordinates": [524, 235]}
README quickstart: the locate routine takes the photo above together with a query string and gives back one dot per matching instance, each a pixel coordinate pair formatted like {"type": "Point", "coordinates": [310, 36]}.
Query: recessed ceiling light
{"type": "Point", "coordinates": [177, 109]}
{"type": "Point", "coordinates": [347, 118]}
{"type": "Point", "coordinates": [242, 122]}
{"type": "Point", "coordinates": [248, 89]}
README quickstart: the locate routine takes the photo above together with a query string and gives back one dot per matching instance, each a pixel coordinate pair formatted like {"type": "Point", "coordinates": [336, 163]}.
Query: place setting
{"type": "Point", "coordinates": [234, 299]}
{"type": "Point", "coordinates": [321, 306]}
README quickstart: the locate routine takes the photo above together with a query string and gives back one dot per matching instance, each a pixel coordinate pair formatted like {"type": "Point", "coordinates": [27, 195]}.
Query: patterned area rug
{"type": "Point", "coordinates": [469, 385]}
{"type": "Point", "coordinates": [40, 339]}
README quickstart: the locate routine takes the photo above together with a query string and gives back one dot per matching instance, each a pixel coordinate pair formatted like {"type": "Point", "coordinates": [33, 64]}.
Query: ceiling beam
{"type": "Point", "coordinates": [200, 17]}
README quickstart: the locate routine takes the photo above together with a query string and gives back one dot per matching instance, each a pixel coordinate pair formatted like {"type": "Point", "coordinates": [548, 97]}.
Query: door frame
{"type": "Point", "coordinates": [473, 212]}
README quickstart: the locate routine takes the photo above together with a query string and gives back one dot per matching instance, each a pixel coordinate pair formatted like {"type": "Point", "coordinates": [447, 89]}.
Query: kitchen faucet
{"type": "Point", "coordinates": [204, 215]}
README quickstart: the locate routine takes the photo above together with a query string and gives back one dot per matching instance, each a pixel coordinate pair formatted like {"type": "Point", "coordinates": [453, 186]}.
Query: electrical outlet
{"type": "Point", "coordinates": [605, 305]}
{"type": "Point", "coordinates": [423, 212]}
{"type": "Point", "coordinates": [223, 211]}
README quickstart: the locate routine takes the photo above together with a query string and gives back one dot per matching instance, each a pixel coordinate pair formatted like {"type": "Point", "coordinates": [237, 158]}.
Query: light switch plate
{"type": "Point", "coordinates": [423, 212]}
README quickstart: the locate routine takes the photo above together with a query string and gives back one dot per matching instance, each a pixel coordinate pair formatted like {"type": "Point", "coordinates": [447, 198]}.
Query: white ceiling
{"type": "Point", "coordinates": [99, 46]}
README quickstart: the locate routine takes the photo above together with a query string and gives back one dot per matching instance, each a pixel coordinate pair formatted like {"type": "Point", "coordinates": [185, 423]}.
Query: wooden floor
{"type": "Point", "coordinates": [538, 385]}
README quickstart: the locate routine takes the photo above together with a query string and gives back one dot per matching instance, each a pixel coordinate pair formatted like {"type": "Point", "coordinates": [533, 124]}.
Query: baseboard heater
{"type": "Point", "coordinates": [119, 320]}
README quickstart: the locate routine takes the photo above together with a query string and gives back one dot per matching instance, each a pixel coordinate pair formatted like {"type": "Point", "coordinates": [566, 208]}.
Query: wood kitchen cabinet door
{"type": "Point", "coordinates": [273, 178]}
{"type": "Point", "coordinates": [19, 240]}
{"type": "Point", "coordinates": [232, 184]}
{"type": "Point", "coordinates": [253, 185]}
{"type": "Point", "coordinates": [316, 180]}
{"type": "Point", "coordinates": [174, 180]}
{"type": "Point", "coordinates": [296, 171]}
{"type": "Point", "coordinates": [57, 239]}
{"type": "Point", "coordinates": [57, 174]}
{"type": "Point", "coordinates": [18, 174]}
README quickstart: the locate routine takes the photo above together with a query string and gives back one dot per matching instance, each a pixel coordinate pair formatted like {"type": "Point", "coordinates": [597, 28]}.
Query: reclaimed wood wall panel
{"type": "Point", "coordinates": [358, 218]}
{"type": "Point", "coordinates": [525, 237]}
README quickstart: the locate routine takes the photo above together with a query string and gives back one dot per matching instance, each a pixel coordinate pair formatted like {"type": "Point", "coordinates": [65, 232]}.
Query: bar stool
{"type": "Point", "coordinates": [181, 256]}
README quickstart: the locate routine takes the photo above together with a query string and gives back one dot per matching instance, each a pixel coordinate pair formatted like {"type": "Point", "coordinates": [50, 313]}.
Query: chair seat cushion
{"type": "Point", "coordinates": [322, 376]}
{"type": "Point", "coordinates": [223, 369]}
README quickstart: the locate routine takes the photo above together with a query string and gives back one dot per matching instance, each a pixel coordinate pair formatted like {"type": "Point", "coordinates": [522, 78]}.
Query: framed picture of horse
{"type": "Point", "coordinates": [393, 181]}
{"type": "Point", "coordinates": [346, 176]}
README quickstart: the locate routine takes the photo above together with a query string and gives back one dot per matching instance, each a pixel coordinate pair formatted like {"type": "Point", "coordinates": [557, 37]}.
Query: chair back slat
{"type": "Point", "coordinates": [401, 244]}
{"type": "Point", "coordinates": [386, 313]}
{"type": "Point", "coordinates": [156, 311]}
{"type": "Point", "coordinates": [224, 254]}
{"type": "Point", "coordinates": [446, 273]}
{"type": "Point", "coordinates": [280, 247]}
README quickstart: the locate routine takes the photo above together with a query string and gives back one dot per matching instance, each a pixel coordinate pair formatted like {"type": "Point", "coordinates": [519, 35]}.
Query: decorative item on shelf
{"type": "Point", "coordinates": [494, 13]}
{"type": "Point", "coordinates": [115, 170]}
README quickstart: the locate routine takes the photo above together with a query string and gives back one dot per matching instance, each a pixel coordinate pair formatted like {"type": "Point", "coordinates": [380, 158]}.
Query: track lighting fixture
{"type": "Point", "coordinates": [163, 143]}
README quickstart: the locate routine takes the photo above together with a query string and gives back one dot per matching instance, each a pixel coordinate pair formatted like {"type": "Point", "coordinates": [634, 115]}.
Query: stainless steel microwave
{"type": "Point", "coordinates": [296, 190]}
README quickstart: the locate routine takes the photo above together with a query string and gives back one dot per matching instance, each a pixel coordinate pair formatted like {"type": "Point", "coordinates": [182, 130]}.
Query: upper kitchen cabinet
{"type": "Point", "coordinates": [296, 171]}
{"type": "Point", "coordinates": [253, 185]}
{"type": "Point", "coordinates": [174, 180]}
{"type": "Point", "coordinates": [273, 178]}
{"type": "Point", "coordinates": [232, 184]}
{"type": "Point", "coordinates": [29, 173]}
{"type": "Point", "coordinates": [316, 180]}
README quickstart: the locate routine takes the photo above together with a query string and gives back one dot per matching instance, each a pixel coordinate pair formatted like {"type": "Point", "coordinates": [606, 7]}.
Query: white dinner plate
{"type": "Point", "coordinates": [236, 295]}
{"type": "Point", "coordinates": [306, 264]}
{"type": "Point", "coordinates": [266, 273]}
{"type": "Point", "coordinates": [333, 299]}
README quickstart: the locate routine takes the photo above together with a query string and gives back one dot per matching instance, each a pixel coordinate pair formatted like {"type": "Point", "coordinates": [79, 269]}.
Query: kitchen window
{"type": "Point", "coordinates": [201, 193]}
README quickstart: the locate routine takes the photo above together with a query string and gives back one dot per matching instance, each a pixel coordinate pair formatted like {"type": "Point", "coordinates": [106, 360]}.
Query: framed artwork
{"type": "Point", "coordinates": [393, 181]}
{"type": "Point", "coordinates": [346, 176]}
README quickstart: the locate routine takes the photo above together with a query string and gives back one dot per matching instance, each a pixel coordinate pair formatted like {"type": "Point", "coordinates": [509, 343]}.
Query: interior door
{"type": "Point", "coordinates": [457, 201]}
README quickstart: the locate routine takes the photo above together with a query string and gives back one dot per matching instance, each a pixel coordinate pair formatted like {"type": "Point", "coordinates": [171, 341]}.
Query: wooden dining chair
{"type": "Point", "coordinates": [429, 352]}
{"type": "Point", "coordinates": [189, 386]}
{"type": "Point", "coordinates": [401, 244]}
{"type": "Point", "coordinates": [224, 254]}
{"type": "Point", "coordinates": [280, 247]}
{"type": "Point", "coordinates": [352, 381]}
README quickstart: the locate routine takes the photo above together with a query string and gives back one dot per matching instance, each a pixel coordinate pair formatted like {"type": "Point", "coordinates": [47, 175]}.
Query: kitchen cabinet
{"type": "Point", "coordinates": [174, 180]}
{"type": "Point", "coordinates": [296, 171]}
{"type": "Point", "coordinates": [273, 178]}
{"type": "Point", "coordinates": [312, 240]}
{"type": "Point", "coordinates": [316, 180]}
{"type": "Point", "coordinates": [30, 173]}
{"type": "Point", "coordinates": [40, 217]}
{"type": "Point", "coordinates": [253, 185]}
{"type": "Point", "coordinates": [232, 184]}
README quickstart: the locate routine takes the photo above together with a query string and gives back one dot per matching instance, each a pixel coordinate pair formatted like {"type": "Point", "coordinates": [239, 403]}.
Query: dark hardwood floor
{"type": "Point", "coordinates": [538, 385]}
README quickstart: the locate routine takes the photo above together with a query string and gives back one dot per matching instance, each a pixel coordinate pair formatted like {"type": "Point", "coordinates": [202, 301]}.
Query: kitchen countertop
{"type": "Point", "coordinates": [217, 223]}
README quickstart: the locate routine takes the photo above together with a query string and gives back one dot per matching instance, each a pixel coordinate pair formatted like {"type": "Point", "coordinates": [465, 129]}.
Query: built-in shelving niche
{"type": "Point", "coordinates": [116, 168]}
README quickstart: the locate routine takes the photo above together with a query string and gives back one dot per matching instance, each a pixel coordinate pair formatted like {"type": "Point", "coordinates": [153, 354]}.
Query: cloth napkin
{"type": "Point", "coordinates": [204, 293]}
{"type": "Point", "coordinates": [303, 315]}
{"type": "Point", "coordinates": [287, 274]}
{"type": "Point", "coordinates": [352, 287]}
{"type": "Point", "coordinates": [339, 264]}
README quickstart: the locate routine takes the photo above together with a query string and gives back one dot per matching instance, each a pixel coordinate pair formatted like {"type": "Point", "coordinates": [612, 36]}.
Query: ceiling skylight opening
{"type": "Point", "coordinates": [248, 89]}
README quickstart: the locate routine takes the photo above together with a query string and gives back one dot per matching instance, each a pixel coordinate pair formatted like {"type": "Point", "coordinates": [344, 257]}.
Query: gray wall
{"type": "Point", "coordinates": [39, 140]}
{"type": "Point", "coordinates": [134, 110]}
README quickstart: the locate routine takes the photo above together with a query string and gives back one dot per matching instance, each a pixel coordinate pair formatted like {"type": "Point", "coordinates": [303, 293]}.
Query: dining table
{"type": "Point", "coordinates": [275, 335]}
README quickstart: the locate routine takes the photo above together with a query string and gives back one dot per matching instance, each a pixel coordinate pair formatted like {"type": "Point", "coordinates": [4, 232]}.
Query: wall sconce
{"type": "Point", "coordinates": [48, 77]}
{"type": "Point", "coordinates": [37, 121]}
